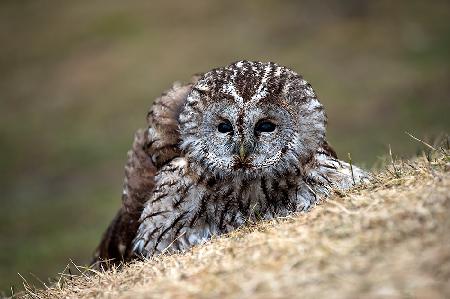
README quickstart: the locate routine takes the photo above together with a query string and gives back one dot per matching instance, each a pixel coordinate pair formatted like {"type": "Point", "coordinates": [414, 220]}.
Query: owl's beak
{"type": "Point", "coordinates": [242, 151]}
{"type": "Point", "coordinates": [245, 149]}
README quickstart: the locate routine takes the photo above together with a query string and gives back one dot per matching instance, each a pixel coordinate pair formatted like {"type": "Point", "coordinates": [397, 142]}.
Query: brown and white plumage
{"type": "Point", "coordinates": [243, 142]}
{"type": "Point", "coordinates": [146, 157]}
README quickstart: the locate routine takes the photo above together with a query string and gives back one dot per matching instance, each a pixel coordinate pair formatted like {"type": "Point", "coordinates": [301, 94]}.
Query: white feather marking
{"type": "Point", "coordinates": [231, 90]}
{"type": "Point", "coordinates": [179, 162]}
{"type": "Point", "coordinates": [278, 71]}
{"type": "Point", "coordinates": [261, 92]}
{"type": "Point", "coordinates": [309, 92]}
{"type": "Point", "coordinates": [202, 85]}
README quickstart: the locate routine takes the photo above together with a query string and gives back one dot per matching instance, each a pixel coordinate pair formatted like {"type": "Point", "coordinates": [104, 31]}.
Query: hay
{"type": "Point", "coordinates": [388, 239]}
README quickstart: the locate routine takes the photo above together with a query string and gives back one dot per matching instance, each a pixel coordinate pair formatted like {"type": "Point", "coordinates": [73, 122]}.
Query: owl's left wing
{"type": "Point", "coordinates": [152, 149]}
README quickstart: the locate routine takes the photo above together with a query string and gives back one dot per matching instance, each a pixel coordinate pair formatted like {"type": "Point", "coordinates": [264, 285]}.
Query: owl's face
{"type": "Point", "coordinates": [251, 119]}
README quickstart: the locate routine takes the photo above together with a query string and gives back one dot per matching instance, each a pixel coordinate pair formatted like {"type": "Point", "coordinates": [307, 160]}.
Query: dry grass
{"type": "Point", "coordinates": [389, 239]}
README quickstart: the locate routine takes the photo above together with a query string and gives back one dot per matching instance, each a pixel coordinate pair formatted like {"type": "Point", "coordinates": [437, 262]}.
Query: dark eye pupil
{"type": "Point", "coordinates": [265, 126]}
{"type": "Point", "coordinates": [224, 128]}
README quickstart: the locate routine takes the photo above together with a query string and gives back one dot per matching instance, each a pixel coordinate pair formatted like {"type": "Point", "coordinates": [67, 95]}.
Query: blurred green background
{"type": "Point", "coordinates": [77, 78]}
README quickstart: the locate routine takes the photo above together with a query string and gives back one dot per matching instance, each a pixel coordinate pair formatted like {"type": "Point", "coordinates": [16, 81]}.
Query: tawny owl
{"type": "Point", "coordinates": [238, 143]}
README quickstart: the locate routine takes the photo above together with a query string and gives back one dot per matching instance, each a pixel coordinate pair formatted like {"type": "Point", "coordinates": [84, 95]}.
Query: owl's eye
{"type": "Point", "coordinates": [225, 127]}
{"type": "Point", "coordinates": [265, 126]}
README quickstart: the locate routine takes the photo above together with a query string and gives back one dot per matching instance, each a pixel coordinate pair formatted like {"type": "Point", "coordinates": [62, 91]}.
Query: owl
{"type": "Point", "coordinates": [240, 143]}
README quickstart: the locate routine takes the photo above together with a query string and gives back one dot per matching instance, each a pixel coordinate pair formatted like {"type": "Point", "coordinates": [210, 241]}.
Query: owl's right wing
{"type": "Point", "coordinates": [152, 149]}
{"type": "Point", "coordinates": [326, 173]}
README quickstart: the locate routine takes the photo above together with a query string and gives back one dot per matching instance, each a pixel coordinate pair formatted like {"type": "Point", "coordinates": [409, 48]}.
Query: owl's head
{"type": "Point", "coordinates": [251, 119]}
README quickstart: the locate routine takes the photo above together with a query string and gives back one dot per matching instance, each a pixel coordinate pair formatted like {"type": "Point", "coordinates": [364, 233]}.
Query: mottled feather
{"type": "Point", "coordinates": [150, 151]}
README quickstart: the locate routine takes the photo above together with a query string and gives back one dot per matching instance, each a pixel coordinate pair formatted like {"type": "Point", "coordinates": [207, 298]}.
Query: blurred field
{"type": "Point", "coordinates": [76, 80]}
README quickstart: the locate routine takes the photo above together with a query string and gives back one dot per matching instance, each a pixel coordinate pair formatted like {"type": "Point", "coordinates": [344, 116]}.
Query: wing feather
{"type": "Point", "coordinates": [151, 150]}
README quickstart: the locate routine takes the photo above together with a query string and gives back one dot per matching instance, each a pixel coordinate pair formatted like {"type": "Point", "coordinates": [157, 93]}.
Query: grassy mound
{"type": "Point", "coordinates": [387, 239]}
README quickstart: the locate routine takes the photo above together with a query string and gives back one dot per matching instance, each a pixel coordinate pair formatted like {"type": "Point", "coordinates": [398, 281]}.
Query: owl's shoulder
{"type": "Point", "coordinates": [163, 135]}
